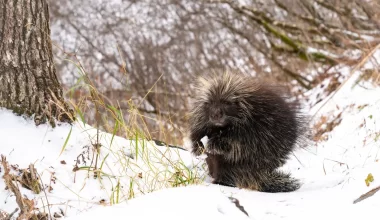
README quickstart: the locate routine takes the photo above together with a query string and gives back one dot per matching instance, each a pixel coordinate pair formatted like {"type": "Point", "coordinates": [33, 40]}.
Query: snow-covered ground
{"type": "Point", "coordinates": [333, 170]}
{"type": "Point", "coordinates": [128, 168]}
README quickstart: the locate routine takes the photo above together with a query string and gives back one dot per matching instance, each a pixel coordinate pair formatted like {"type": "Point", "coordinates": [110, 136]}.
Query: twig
{"type": "Point", "coordinates": [32, 180]}
{"type": "Point", "coordinates": [161, 143]}
{"type": "Point", "coordinates": [47, 200]}
{"type": "Point", "coordinates": [12, 213]}
{"type": "Point", "coordinates": [367, 195]}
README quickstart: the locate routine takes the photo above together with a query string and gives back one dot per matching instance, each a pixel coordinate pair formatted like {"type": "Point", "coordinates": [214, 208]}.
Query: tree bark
{"type": "Point", "coordinates": [28, 81]}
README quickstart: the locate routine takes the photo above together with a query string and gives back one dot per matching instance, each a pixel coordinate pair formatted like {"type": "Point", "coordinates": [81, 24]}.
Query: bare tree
{"type": "Point", "coordinates": [28, 81]}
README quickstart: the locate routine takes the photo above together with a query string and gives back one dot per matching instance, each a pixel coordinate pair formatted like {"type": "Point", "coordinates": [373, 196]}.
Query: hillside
{"type": "Point", "coordinates": [333, 169]}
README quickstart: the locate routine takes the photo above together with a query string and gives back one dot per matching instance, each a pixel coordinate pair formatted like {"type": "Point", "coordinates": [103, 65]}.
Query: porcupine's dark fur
{"type": "Point", "coordinates": [251, 131]}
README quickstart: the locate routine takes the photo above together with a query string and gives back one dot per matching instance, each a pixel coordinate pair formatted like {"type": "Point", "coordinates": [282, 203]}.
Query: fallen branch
{"type": "Point", "coordinates": [8, 178]}
{"type": "Point", "coordinates": [367, 195]}
{"type": "Point", "coordinates": [26, 205]}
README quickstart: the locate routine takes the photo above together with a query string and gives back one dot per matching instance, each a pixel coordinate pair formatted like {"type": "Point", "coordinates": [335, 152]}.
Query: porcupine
{"type": "Point", "coordinates": [251, 128]}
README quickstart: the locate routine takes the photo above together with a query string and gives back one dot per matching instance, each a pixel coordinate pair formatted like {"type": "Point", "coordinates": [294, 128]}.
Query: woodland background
{"type": "Point", "coordinates": [142, 56]}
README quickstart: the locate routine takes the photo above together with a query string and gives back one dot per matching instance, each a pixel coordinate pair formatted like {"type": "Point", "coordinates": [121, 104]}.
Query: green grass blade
{"type": "Point", "coordinates": [66, 141]}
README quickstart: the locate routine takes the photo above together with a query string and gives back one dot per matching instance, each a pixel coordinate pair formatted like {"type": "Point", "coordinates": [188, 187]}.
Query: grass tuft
{"type": "Point", "coordinates": [129, 168]}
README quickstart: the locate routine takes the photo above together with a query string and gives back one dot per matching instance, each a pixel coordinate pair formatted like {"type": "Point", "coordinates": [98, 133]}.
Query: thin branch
{"type": "Point", "coordinates": [367, 195]}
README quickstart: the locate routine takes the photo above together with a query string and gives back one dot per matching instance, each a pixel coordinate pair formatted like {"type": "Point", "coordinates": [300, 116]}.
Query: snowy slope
{"type": "Point", "coordinates": [188, 203]}
{"type": "Point", "coordinates": [333, 171]}
{"type": "Point", "coordinates": [73, 192]}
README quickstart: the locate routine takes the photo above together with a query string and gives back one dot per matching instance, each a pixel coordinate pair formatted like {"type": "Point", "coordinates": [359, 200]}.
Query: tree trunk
{"type": "Point", "coordinates": [28, 81]}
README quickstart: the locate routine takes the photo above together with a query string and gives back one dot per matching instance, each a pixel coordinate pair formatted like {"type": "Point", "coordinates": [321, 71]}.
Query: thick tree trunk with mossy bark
{"type": "Point", "coordinates": [28, 81]}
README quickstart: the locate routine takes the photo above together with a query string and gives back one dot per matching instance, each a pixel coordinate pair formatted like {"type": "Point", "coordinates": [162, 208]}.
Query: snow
{"type": "Point", "coordinates": [24, 143]}
{"type": "Point", "coordinates": [333, 170]}
{"type": "Point", "coordinates": [192, 202]}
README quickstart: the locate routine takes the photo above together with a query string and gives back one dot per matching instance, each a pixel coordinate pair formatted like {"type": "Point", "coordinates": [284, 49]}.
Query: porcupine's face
{"type": "Point", "coordinates": [222, 100]}
{"type": "Point", "coordinates": [221, 112]}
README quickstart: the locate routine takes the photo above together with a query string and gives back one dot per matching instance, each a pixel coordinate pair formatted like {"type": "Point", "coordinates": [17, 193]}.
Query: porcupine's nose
{"type": "Point", "coordinates": [217, 117]}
